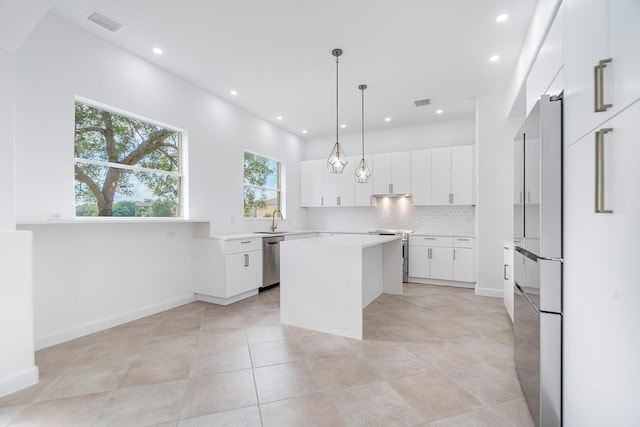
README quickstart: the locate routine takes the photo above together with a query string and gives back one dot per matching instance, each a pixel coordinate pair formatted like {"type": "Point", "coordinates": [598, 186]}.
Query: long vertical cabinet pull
{"type": "Point", "coordinates": [338, 200]}
{"type": "Point", "coordinates": [246, 260]}
{"type": "Point", "coordinates": [504, 272]}
{"type": "Point", "coordinates": [598, 85]}
{"type": "Point", "coordinates": [600, 189]}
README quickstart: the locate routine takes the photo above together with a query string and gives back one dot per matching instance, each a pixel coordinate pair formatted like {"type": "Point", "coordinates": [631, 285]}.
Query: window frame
{"type": "Point", "coordinates": [182, 173]}
{"type": "Point", "coordinates": [279, 189]}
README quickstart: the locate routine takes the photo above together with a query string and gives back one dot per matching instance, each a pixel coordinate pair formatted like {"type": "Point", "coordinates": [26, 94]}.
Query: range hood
{"type": "Point", "coordinates": [394, 195]}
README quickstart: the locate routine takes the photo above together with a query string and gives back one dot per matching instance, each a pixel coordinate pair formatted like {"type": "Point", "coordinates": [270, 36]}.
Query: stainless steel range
{"type": "Point", "coordinates": [405, 248]}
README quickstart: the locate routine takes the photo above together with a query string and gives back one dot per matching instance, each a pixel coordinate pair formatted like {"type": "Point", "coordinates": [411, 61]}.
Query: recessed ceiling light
{"type": "Point", "coordinates": [502, 17]}
{"type": "Point", "coordinates": [157, 50]}
{"type": "Point", "coordinates": [279, 118]}
{"type": "Point", "coordinates": [494, 58]}
{"type": "Point", "coordinates": [343, 126]}
{"type": "Point", "coordinates": [439, 111]}
{"type": "Point", "coordinates": [233, 92]}
{"type": "Point", "coordinates": [387, 119]}
{"type": "Point", "coordinates": [304, 131]}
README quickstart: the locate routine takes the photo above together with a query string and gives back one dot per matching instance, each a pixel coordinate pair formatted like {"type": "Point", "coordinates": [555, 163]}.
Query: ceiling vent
{"type": "Point", "coordinates": [422, 102]}
{"type": "Point", "coordinates": [104, 21]}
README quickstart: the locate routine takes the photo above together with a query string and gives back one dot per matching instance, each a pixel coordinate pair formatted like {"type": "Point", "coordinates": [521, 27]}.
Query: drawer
{"type": "Point", "coordinates": [464, 242]}
{"type": "Point", "coordinates": [442, 241]}
{"type": "Point", "coordinates": [243, 245]}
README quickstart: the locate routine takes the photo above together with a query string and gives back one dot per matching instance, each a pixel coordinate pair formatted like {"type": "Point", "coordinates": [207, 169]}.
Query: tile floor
{"type": "Point", "coordinates": [437, 356]}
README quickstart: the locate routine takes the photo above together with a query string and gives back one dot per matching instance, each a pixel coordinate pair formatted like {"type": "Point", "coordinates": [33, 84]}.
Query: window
{"type": "Point", "coordinates": [125, 166]}
{"type": "Point", "coordinates": [262, 190]}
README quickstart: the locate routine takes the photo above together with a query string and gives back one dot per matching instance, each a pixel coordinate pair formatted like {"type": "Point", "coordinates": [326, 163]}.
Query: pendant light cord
{"type": "Point", "coordinates": [362, 90]}
{"type": "Point", "coordinates": [337, 120]}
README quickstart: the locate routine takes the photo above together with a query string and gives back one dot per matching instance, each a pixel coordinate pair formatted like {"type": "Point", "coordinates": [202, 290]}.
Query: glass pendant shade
{"type": "Point", "coordinates": [337, 159]}
{"type": "Point", "coordinates": [363, 173]}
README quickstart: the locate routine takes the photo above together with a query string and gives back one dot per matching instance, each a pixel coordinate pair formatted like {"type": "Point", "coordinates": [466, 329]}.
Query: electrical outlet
{"type": "Point", "coordinates": [54, 215]}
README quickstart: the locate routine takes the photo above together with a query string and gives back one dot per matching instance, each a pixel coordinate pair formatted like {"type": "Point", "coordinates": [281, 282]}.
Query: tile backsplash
{"type": "Point", "coordinates": [395, 213]}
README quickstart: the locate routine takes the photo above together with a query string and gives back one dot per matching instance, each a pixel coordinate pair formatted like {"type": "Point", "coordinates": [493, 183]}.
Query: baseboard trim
{"type": "Point", "coordinates": [18, 381]}
{"type": "Point", "coordinates": [457, 284]}
{"type": "Point", "coordinates": [226, 301]}
{"type": "Point", "coordinates": [109, 322]}
{"type": "Point", "coordinates": [489, 292]}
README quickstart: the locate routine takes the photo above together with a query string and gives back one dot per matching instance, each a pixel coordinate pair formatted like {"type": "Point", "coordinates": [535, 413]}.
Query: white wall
{"type": "Point", "coordinates": [540, 23]}
{"type": "Point", "coordinates": [494, 209]}
{"type": "Point", "coordinates": [17, 364]}
{"type": "Point", "coordinates": [91, 276]}
{"type": "Point", "coordinates": [7, 210]}
{"type": "Point", "coordinates": [444, 134]}
{"type": "Point", "coordinates": [59, 61]}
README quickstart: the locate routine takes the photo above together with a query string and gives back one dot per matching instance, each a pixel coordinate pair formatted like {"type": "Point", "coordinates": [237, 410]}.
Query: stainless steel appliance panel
{"type": "Point", "coordinates": [271, 260]}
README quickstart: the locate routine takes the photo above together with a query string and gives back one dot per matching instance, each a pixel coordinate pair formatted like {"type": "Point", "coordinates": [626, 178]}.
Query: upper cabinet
{"type": "Point", "coordinates": [311, 182]}
{"type": "Point", "coordinates": [340, 188]}
{"type": "Point", "coordinates": [421, 177]}
{"type": "Point", "coordinates": [364, 191]}
{"type": "Point", "coordinates": [439, 176]}
{"type": "Point", "coordinates": [605, 78]}
{"type": "Point", "coordinates": [391, 173]}
{"type": "Point", "coordinates": [320, 187]}
{"type": "Point", "coordinates": [453, 175]}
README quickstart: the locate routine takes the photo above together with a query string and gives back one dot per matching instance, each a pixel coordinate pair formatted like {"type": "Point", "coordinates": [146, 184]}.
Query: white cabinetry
{"type": "Point", "coordinates": [391, 173]}
{"type": "Point", "coordinates": [463, 259]}
{"type": "Point", "coordinates": [339, 189]}
{"type": "Point", "coordinates": [442, 258]}
{"type": "Point", "coordinates": [421, 177]}
{"type": "Point", "coordinates": [364, 191]}
{"type": "Point", "coordinates": [311, 182]}
{"type": "Point", "coordinates": [599, 30]}
{"type": "Point", "coordinates": [226, 271]}
{"type": "Point", "coordinates": [601, 273]}
{"type": "Point", "coordinates": [453, 175]}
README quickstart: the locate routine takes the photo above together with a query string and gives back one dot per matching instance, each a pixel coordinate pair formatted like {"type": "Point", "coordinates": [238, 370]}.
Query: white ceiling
{"type": "Point", "coordinates": [277, 53]}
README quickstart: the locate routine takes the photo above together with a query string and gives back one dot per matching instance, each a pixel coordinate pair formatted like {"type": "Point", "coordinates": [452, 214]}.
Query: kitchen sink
{"type": "Point", "coordinates": [269, 232]}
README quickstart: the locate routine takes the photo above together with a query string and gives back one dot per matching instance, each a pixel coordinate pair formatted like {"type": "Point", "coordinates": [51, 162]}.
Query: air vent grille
{"type": "Point", "coordinates": [104, 21]}
{"type": "Point", "coordinates": [422, 102]}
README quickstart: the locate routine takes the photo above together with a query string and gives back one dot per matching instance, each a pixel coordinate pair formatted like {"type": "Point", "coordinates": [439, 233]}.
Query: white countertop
{"type": "Point", "coordinates": [361, 240]}
{"type": "Point", "coordinates": [251, 235]}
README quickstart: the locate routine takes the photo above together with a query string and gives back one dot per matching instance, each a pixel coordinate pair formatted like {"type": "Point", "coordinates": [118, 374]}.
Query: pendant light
{"type": "Point", "coordinates": [337, 159]}
{"type": "Point", "coordinates": [363, 172]}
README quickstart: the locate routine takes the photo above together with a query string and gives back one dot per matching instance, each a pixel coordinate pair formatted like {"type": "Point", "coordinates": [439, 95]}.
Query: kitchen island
{"type": "Point", "coordinates": [326, 282]}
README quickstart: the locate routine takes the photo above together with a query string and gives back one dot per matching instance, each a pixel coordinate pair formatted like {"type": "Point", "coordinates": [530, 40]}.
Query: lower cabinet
{"type": "Point", "coordinates": [226, 271]}
{"type": "Point", "coordinates": [442, 258]}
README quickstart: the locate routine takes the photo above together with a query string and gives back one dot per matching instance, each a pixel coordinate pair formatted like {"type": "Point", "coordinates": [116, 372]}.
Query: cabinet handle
{"type": "Point", "coordinates": [504, 272]}
{"type": "Point", "coordinates": [322, 201]}
{"type": "Point", "coordinates": [429, 238]}
{"type": "Point", "coordinates": [246, 260]}
{"type": "Point", "coordinates": [521, 197]}
{"type": "Point", "coordinates": [528, 196]}
{"type": "Point", "coordinates": [600, 191]}
{"type": "Point", "coordinates": [429, 253]}
{"type": "Point", "coordinates": [462, 240]}
{"type": "Point", "coordinates": [338, 200]}
{"type": "Point", "coordinates": [598, 76]}
{"type": "Point", "coordinates": [454, 254]}
{"type": "Point", "coordinates": [390, 188]}
{"type": "Point", "coordinates": [450, 197]}
{"type": "Point", "coordinates": [245, 242]}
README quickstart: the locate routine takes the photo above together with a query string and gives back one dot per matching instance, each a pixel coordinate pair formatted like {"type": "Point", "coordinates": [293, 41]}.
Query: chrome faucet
{"type": "Point", "coordinates": [274, 226]}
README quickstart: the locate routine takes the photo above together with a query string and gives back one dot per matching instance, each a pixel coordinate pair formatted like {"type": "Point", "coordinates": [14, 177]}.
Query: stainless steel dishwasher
{"type": "Point", "coordinates": [271, 260]}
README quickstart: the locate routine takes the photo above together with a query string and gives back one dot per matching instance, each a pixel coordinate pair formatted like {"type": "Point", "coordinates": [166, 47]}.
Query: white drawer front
{"type": "Point", "coordinates": [464, 242]}
{"type": "Point", "coordinates": [244, 245]}
{"type": "Point", "coordinates": [439, 241]}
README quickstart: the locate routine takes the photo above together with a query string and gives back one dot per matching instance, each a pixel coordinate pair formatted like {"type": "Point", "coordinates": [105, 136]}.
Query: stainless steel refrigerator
{"type": "Point", "coordinates": [538, 260]}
